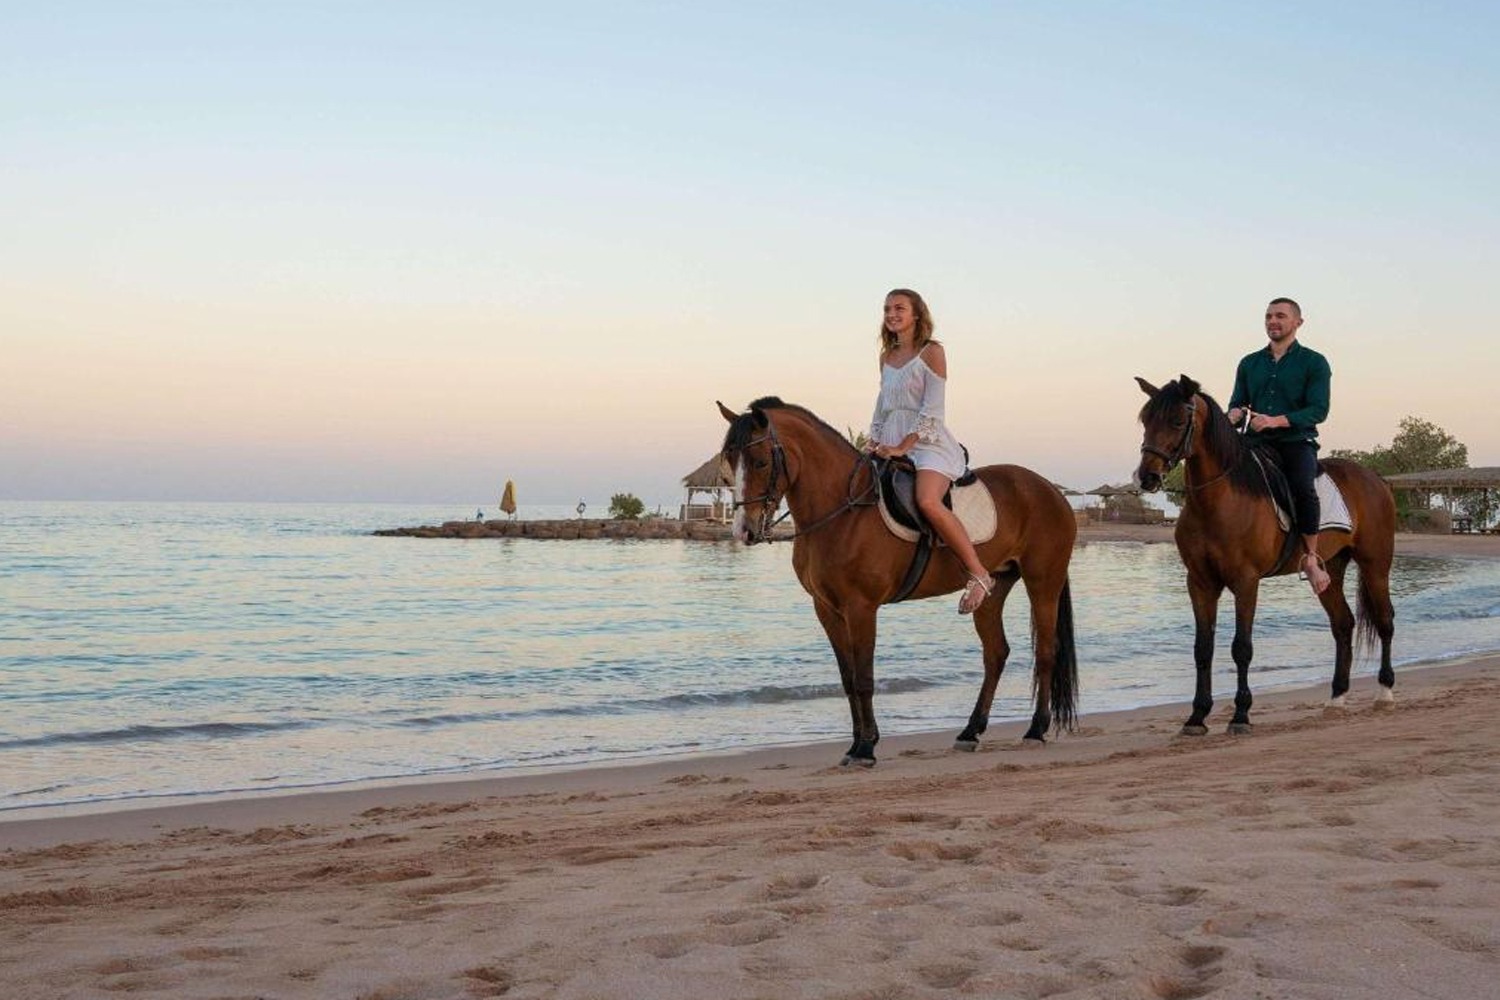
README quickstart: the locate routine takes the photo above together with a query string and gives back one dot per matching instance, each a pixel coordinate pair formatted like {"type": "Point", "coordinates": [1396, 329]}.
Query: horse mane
{"type": "Point", "coordinates": [746, 425]}
{"type": "Point", "coordinates": [1217, 437]}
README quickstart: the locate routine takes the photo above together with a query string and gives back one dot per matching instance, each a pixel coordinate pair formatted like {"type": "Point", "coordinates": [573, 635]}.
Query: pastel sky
{"type": "Point", "coordinates": [365, 251]}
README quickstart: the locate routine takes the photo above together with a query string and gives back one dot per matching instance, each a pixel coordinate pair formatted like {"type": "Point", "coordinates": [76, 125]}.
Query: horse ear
{"type": "Point", "coordinates": [1189, 387]}
{"type": "Point", "coordinates": [729, 414]}
{"type": "Point", "coordinates": [1146, 387]}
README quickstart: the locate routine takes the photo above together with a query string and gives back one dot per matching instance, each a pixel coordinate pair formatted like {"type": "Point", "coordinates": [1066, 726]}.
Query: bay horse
{"type": "Point", "coordinates": [850, 563]}
{"type": "Point", "coordinates": [1229, 537]}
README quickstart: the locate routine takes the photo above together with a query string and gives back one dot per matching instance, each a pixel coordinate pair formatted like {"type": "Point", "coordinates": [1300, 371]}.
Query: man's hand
{"type": "Point", "coordinates": [1261, 422]}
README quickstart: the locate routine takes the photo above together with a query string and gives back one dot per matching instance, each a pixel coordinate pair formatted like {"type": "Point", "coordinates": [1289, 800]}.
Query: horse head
{"type": "Point", "coordinates": [755, 463]}
{"type": "Point", "coordinates": [1171, 420]}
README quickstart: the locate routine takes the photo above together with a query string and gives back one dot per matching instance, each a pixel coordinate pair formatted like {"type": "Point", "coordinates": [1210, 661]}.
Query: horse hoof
{"type": "Point", "coordinates": [1194, 730]}
{"type": "Point", "coordinates": [969, 746]}
{"type": "Point", "coordinates": [846, 761]}
{"type": "Point", "coordinates": [862, 761]}
{"type": "Point", "coordinates": [1385, 701]}
{"type": "Point", "coordinates": [1239, 729]}
{"type": "Point", "coordinates": [1033, 743]}
{"type": "Point", "coordinates": [1334, 710]}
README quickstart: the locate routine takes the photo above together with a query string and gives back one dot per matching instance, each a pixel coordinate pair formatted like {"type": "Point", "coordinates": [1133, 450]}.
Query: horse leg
{"type": "Point", "coordinates": [989, 622]}
{"type": "Point", "coordinates": [857, 669]}
{"type": "Point", "coordinates": [1341, 622]}
{"type": "Point", "coordinates": [837, 631]}
{"type": "Point", "coordinates": [1205, 598]}
{"type": "Point", "coordinates": [1243, 649]}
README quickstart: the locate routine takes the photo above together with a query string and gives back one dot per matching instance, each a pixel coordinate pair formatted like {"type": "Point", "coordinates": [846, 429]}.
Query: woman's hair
{"type": "Point", "coordinates": [924, 322]}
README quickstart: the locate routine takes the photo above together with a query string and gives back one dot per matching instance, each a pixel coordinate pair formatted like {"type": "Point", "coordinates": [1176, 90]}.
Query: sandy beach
{"type": "Point", "coordinates": [1328, 855]}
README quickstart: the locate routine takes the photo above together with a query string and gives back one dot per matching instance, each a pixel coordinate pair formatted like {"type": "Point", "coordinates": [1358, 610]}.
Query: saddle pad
{"type": "Point", "coordinates": [974, 506]}
{"type": "Point", "coordinates": [1334, 511]}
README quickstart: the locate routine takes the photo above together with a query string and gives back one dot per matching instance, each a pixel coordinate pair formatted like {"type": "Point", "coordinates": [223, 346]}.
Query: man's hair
{"type": "Point", "coordinates": [1290, 302]}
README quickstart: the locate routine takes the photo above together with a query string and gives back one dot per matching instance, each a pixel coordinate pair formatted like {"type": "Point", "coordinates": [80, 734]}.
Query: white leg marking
{"type": "Point", "coordinates": [1336, 702]}
{"type": "Point", "coordinates": [1384, 694]}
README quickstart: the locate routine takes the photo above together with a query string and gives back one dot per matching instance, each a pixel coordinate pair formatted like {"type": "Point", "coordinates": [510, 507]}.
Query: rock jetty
{"type": "Point", "coordinates": [575, 528]}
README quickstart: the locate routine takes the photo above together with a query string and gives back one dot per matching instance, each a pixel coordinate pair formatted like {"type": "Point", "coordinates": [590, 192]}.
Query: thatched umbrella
{"type": "Point", "coordinates": [508, 498]}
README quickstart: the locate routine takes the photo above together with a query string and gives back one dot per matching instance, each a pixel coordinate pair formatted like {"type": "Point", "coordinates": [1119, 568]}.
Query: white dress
{"type": "Point", "coordinates": [911, 399]}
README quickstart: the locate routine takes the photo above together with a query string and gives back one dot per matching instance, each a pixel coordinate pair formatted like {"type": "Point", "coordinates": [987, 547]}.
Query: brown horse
{"type": "Point", "coordinates": [1228, 536]}
{"type": "Point", "coordinates": [851, 564]}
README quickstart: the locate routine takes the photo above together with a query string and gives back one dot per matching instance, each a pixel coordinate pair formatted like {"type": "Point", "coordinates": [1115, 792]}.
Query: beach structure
{"type": "Point", "coordinates": [1120, 503]}
{"type": "Point", "coordinates": [710, 497]}
{"type": "Point", "coordinates": [1471, 497]}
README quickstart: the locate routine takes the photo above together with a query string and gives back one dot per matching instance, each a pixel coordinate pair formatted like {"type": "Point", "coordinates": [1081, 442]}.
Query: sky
{"type": "Point", "coordinates": [404, 252]}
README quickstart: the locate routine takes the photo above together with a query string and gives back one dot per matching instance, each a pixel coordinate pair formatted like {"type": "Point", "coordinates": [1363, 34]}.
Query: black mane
{"type": "Point", "coordinates": [747, 426]}
{"type": "Point", "coordinates": [1218, 437]}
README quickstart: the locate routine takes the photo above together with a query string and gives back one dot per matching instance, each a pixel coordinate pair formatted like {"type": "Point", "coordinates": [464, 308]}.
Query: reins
{"type": "Point", "coordinates": [771, 499]}
{"type": "Point", "coordinates": [1184, 450]}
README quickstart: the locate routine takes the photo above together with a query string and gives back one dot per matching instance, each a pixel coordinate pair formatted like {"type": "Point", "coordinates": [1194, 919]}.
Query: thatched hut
{"type": "Point", "coordinates": [1471, 497]}
{"type": "Point", "coordinates": [709, 495]}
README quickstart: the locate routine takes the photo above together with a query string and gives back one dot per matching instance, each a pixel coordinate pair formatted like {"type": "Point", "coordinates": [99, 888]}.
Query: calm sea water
{"type": "Point", "coordinates": [180, 649]}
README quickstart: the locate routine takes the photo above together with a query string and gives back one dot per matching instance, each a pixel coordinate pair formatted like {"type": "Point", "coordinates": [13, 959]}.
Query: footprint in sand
{"type": "Point", "coordinates": [1181, 895]}
{"type": "Point", "coordinates": [488, 980]}
{"type": "Point", "coordinates": [790, 886]}
{"type": "Point", "coordinates": [665, 945]}
{"type": "Point", "coordinates": [931, 850]}
{"type": "Point", "coordinates": [703, 883]}
{"type": "Point", "coordinates": [946, 975]}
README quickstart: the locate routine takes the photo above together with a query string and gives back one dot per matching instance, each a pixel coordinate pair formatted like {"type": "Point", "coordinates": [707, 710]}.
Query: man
{"type": "Point", "coordinates": [1284, 389]}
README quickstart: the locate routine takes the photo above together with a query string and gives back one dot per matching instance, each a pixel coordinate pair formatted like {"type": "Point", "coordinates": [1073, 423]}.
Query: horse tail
{"type": "Point", "coordinates": [1065, 665]}
{"type": "Point", "coordinates": [1366, 637]}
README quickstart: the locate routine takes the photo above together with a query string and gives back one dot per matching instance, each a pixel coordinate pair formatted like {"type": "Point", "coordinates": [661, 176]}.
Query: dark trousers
{"type": "Point", "coordinates": [1299, 460]}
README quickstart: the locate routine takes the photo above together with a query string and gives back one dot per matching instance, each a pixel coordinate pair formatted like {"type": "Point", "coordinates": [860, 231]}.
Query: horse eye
{"type": "Point", "coordinates": [761, 463]}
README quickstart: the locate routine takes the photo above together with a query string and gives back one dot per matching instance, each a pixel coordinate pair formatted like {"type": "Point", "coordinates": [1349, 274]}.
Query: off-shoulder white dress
{"type": "Point", "coordinates": [912, 399]}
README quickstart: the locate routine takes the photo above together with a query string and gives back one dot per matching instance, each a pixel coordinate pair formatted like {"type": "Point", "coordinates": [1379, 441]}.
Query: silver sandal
{"type": "Point", "coordinates": [968, 603]}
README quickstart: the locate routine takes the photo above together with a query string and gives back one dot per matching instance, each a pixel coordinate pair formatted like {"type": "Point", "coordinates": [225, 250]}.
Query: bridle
{"type": "Point", "coordinates": [770, 499]}
{"type": "Point", "coordinates": [1184, 447]}
{"type": "Point", "coordinates": [1184, 450]}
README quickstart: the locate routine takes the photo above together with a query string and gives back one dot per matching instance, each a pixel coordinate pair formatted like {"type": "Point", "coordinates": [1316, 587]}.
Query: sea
{"type": "Point", "coordinates": [153, 651]}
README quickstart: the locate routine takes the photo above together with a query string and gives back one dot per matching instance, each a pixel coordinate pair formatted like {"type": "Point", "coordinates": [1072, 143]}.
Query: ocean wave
{"type": "Point", "coordinates": [770, 694]}
{"type": "Point", "coordinates": [154, 734]}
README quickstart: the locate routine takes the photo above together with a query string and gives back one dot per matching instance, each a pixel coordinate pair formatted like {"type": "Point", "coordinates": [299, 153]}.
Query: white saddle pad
{"type": "Point", "coordinates": [1334, 511]}
{"type": "Point", "coordinates": [973, 504]}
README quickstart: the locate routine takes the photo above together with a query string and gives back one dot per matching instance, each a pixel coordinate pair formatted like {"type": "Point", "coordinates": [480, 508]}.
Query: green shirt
{"type": "Point", "coordinates": [1296, 387]}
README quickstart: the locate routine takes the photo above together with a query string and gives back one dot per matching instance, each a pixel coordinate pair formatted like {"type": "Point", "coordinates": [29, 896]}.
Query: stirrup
{"type": "Point", "coordinates": [967, 604]}
{"type": "Point", "coordinates": [1303, 574]}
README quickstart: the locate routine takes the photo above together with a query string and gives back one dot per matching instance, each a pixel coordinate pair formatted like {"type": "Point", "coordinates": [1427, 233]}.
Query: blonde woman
{"type": "Point", "coordinates": [909, 421]}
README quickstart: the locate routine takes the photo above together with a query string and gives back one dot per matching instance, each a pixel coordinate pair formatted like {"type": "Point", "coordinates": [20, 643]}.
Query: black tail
{"type": "Point", "coordinates": [1065, 666]}
{"type": "Point", "coordinates": [1366, 636]}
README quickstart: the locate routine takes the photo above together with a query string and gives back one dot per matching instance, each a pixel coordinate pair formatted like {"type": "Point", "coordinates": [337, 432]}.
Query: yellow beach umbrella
{"type": "Point", "coordinates": [508, 498]}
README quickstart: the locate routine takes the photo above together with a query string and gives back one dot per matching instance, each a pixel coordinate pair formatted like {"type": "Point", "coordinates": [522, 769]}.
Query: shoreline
{"type": "Point", "coordinates": [23, 829]}
{"type": "Point", "coordinates": [1120, 860]}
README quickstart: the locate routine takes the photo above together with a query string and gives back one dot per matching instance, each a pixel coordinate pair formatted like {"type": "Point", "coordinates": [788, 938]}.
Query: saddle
{"type": "Point", "coordinates": [968, 498]}
{"type": "Point", "coordinates": [1334, 512]}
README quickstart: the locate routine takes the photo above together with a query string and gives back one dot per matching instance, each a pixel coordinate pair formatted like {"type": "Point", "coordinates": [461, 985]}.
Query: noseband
{"type": "Point", "coordinates": [770, 500]}
{"type": "Point", "coordinates": [1184, 447]}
